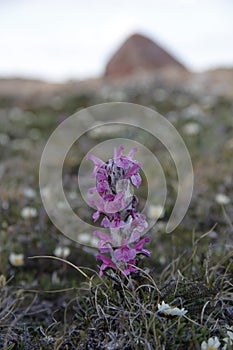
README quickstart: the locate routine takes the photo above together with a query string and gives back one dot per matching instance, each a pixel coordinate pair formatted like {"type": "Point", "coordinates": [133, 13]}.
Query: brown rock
{"type": "Point", "coordinates": [139, 53]}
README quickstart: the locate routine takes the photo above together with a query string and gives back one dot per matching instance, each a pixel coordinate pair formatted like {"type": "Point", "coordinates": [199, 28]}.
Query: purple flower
{"type": "Point", "coordinates": [98, 163]}
{"type": "Point", "coordinates": [115, 205]}
{"type": "Point", "coordinates": [124, 253]}
{"type": "Point", "coordinates": [124, 161]}
{"type": "Point", "coordinates": [109, 206]}
{"type": "Point", "coordinates": [129, 268]}
{"type": "Point", "coordinates": [96, 216]}
{"type": "Point", "coordinates": [105, 222]}
{"type": "Point", "coordinates": [115, 223]}
{"type": "Point", "coordinates": [102, 187]}
{"type": "Point", "coordinates": [136, 180]}
{"type": "Point", "coordinates": [139, 246]}
{"type": "Point", "coordinates": [118, 168]}
{"type": "Point", "coordinates": [105, 241]}
{"type": "Point", "coordinates": [134, 237]}
{"type": "Point", "coordinates": [107, 262]}
{"type": "Point", "coordinates": [113, 199]}
{"type": "Point", "coordinates": [139, 223]}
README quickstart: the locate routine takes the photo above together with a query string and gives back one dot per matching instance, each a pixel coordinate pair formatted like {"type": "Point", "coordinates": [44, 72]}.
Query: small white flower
{"type": "Point", "coordinates": [16, 259]}
{"type": "Point", "coordinates": [222, 199]}
{"type": "Point", "coordinates": [29, 192]}
{"type": "Point", "coordinates": [212, 344]}
{"type": "Point", "coordinates": [169, 310]}
{"type": "Point", "coordinates": [191, 128]}
{"type": "Point", "coordinates": [193, 111]}
{"type": "Point", "coordinates": [84, 238]}
{"type": "Point", "coordinates": [28, 212]}
{"type": "Point", "coordinates": [61, 252]}
{"type": "Point", "coordinates": [162, 260]}
{"type": "Point", "coordinates": [213, 234]}
{"type": "Point", "coordinates": [72, 195]}
{"type": "Point", "coordinates": [156, 211]}
{"type": "Point", "coordinates": [161, 226]}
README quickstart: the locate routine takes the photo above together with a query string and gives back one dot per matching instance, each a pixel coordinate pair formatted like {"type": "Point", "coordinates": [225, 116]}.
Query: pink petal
{"type": "Point", "coordinates": [119, 152]}
{"type": "Point", "coordinates": [109, 197]}
{"type": "Point", "coordinates": [104, 242]}
{"type": "Point", "coordinates": [145, 252]}
{"type": "Point", "coordinates": [105, 222]}
{"type": "Point", "coordinates": [105, 248]}
{"type": "Point", "coordinates": [133, 170]}
{"type": "Point", "coordinates": [97, 161]}
{"type": "Point", "coordinates": [132, 152]}
{"type": "Point", "coordinates": [136, 180]}
{"type": "Point", "coordinates": [92, 190]}
{"type": "Point", "coordinates": [140, 223]}
{"type": "Point", "coordinates": [123, 162]}
{"type": "Point", "coordinates": [116, 205]}
{"type": "Point", "coordinates": [102, 235]}
{"type": "Point", "coordinates": [130, 268]}
{"type": "Point", "coordinates": [125, 253]}
{"type": "Point", "coordinates": [107, 262]}
{"type": "Point", "coordinates": [96, 216]}
{"type": "Point", "coordinates": [138, 246]}
{"type": "Point", "coordinates": [135, 236]}
{"type": "Point", "coordinates": [99, 204]}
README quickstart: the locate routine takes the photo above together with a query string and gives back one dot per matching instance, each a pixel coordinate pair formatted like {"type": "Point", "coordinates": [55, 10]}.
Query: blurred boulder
{"type": "Point", "coordinates": [139, 53]}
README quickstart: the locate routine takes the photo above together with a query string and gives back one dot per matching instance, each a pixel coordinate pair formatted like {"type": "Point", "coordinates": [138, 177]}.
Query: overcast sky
{"type": "Point", "coordinates": [62, 39]}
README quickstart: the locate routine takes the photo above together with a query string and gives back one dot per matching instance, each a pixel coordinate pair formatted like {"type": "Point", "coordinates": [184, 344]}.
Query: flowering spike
{"type": "Point", "coordinates": [117, 204]}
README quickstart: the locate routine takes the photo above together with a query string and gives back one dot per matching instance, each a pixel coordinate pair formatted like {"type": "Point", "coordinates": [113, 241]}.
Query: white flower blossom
{"type": "Point", "coordinates": [191, 128]}
{"type": "Point", "coordinates": [212, 344]}
{"type": "Point", "coordinates": [16, 259]}
{"type": "Point", "coordinates": [62, 252]}
{"type": "Point", "coordinates": [170, 310]}
{"type": "Point", "coordinates": [156, 211]}
{"type": "Point", "coordinates": [28, 212]}
{"type": "Point", "coordinates": [29, 192]}
{"type": "Point", "coordinates": [222, 199]}
{"type": "Point", "coordinates": [84, 238]}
